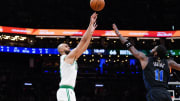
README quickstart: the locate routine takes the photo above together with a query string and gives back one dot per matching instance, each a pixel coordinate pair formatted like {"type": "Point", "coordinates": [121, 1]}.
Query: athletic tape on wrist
{"type": "Point", "coordinates": [127, 44]}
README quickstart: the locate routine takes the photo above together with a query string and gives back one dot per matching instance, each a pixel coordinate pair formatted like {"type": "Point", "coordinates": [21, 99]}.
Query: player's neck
{"type": "Point", "coordinates": [63, 53]}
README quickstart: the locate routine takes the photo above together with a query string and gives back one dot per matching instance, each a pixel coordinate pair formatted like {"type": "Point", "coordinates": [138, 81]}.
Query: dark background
{"type": "Point", "coordinates": [74, 14]}
{"type": "Point", "coordinates": [15, 69]}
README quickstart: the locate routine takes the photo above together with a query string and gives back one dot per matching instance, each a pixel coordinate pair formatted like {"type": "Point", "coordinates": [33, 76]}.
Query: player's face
{"type": "Point", "coordinates": [154, 50]}
{"type": "Point", "coordinates": [66, 48]}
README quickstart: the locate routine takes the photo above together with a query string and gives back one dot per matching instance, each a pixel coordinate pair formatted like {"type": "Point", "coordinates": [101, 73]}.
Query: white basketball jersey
{"type": "Point", "coordinates": [68, 72]}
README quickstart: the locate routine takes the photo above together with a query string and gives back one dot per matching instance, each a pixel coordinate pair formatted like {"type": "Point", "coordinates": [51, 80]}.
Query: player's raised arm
{"type": "Point", "coordinates": [174, 65]}
{"type": "Point", "coordinates": [85, 40]}
{"type": "Point", "coordinates": [139, 55]}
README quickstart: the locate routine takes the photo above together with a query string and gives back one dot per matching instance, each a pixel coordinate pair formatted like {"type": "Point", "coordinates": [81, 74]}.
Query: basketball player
{"type": "Point", "coordinates": [155, 69]}
{"type": "Point", "coordinates": [68, 64]}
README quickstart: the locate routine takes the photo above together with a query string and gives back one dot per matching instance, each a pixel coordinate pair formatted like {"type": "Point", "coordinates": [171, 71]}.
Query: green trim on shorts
{"type": "Point", "coordinates": [66, 86]}
{"type": "Point", "coordinates": [67, 91]}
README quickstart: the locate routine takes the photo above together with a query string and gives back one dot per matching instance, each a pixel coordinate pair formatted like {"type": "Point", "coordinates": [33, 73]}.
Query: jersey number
{"type": "Point", "coordinates": [158, 75]}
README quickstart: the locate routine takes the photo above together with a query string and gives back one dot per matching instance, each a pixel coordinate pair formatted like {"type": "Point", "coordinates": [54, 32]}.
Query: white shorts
{"type": "Point", "coordinates": [65, 94]}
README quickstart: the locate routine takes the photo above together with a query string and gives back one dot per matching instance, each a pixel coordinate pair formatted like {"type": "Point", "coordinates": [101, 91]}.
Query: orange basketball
{"type": "Point", "coordinates": [97, 5]}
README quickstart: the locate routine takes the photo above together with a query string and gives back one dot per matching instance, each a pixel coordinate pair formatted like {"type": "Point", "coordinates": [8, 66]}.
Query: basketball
{"type": "Point", "coordinates": [97, 5]}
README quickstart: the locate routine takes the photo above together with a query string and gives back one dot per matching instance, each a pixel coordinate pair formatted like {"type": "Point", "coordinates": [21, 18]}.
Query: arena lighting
{"type": "Point", "coordinates": [114, 38]}
{"type": "Point", "coordinates": [137, 72]}
{"type": "Point", "coordinates": [28, 84]}
{"type": "Point", "coordinates": [70, 42]}
{"type": "Point", "coordinates": [6, 37]}
{"type": "Point", "coordinates": [73, 37]}
{"type": "Point", "coordinates": [16, 36]}
{"type": "Point", "coordinates": [143, 42]}
{"type": "Point", "coordinates": [173, 38]}
{"type": "Point", "coordinates": [13, 39]}
{"type": "Point", "coordinates": [99, 85]}
{"type": "Point", "coordinates": [22, 38]}
{"type": "Point", "coordinates": [173, 27]}
{"type": "Point", "coordinates": [137, 39]}
{"type": "Point", "coordinates": [92, 52]}
{"type": "Point", "coordinates": [76, 37]}
{"type": "Point", "coordinates": [41, 37]}
{"type": "Point", "coordinates": [147, 38]}
{"type": "Point", "coordinates": [95, 37]}
{"type": "Point", "coordinates": [46, 71]}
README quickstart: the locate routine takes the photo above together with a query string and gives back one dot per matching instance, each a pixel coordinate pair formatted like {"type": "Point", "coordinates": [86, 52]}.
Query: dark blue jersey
{"type": "Point", "coordinates": [156, 73]}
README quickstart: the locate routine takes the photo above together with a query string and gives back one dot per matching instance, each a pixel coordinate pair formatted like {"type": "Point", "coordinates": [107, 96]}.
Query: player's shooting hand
{"type": "Point", "coordinates": [116, 29]}
{"type": "Point", "coordinates": [93, 20]}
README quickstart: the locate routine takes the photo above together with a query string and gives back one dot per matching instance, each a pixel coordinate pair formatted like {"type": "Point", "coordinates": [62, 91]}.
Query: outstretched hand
{"type": "Point", "coordinates": [93, 20]}
{"type": "Point", "coordinates": [116, 29]}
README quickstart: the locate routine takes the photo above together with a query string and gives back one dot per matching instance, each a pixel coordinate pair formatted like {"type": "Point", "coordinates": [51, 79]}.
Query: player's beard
{"type": "Point", "coordinates": [67, 52]}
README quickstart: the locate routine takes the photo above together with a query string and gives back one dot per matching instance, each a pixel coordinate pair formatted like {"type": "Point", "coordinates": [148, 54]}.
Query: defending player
{"type": "Point", "coordinates": [155, 69]}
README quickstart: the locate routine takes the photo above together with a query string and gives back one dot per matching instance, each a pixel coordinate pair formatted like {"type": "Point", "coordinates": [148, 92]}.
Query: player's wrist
{"type": "Point", "coordinates": [91, 24]}
{"type": "Point", "coordinates": [127, 44]}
